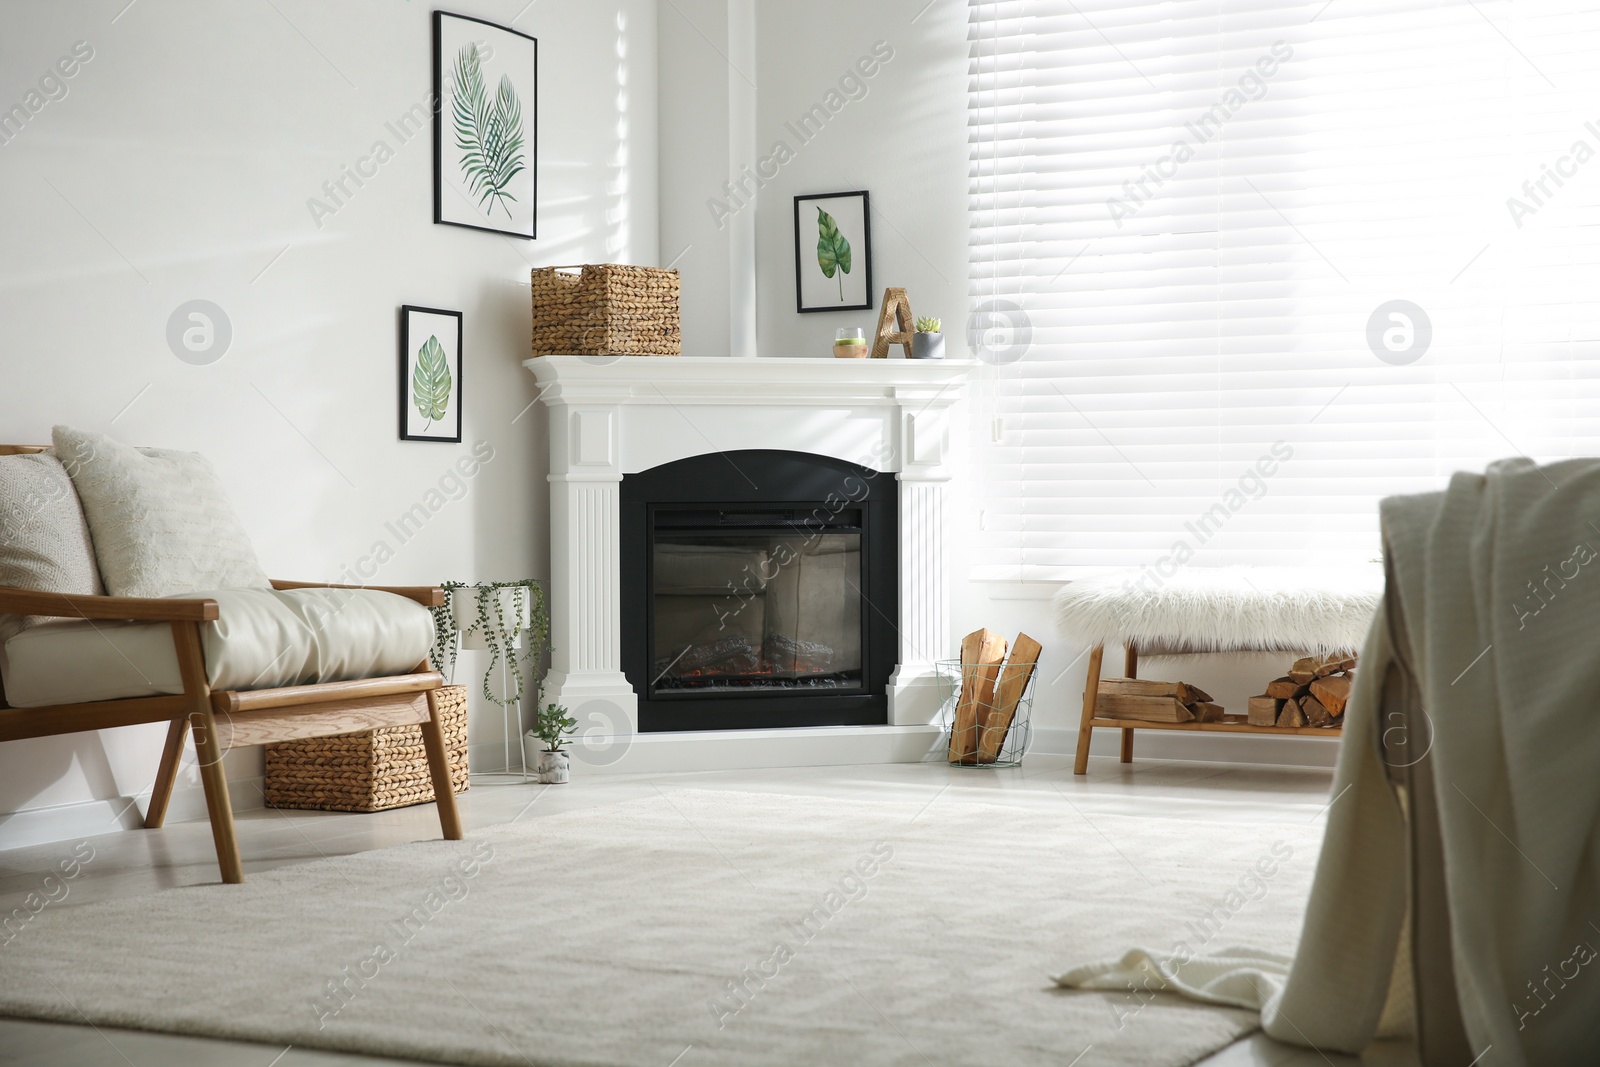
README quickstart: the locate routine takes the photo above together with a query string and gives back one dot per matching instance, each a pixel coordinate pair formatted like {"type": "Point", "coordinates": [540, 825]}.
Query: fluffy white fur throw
{"type": "Point", "coordinates": [1220, 609]}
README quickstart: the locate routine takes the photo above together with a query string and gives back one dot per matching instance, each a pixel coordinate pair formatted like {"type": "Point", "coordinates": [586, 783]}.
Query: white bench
{"type": "Point", "coordinates": [1211, 609]}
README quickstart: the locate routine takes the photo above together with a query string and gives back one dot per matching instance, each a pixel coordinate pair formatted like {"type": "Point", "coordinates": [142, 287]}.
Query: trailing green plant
{"type": "Point", "coordinates": [499, 633]}
{"type": "Point", "coordinates": [489, 136]}
{"type": "Point", "coordinates": [430, 382]}
{"type": "Point", "coordinates": [929, 325]}
{"type": "Point", "coordinates": [833, 251]}
{"type": "Point", "coordinates": [553, 726]}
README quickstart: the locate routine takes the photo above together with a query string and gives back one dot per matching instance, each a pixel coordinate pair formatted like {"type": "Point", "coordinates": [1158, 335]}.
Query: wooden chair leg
{"type": "Point", "coordinates": [444, 789]}
{"type": "Point", "coordinates": [167, 774]}
{"type": "Point", "coordinates": [1091, 690]}
{"type": "Point", "coordinates": [219, 805]}
{"type": "Point", "coordinates": [1130, 663]}
{"type": "Point", "coordinates": [208, 746]}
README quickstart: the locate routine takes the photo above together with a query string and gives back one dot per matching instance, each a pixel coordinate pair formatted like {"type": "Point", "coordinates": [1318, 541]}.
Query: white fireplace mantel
{"type": "Point", "coordinates": [611, 416]}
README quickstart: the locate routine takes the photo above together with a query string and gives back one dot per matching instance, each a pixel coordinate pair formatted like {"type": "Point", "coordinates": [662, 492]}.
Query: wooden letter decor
{"type": "Point", "coordinates": [895, 324]}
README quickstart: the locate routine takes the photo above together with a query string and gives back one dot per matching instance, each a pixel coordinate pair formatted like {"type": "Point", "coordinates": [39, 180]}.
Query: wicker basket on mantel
{"type": "Point", "coordinates": [370, 771]}
{"type": "Point", "coordinates": [609, 309]}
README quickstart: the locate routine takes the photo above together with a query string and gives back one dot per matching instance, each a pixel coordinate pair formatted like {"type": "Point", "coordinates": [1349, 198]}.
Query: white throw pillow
{"type": "Point", "coordinates": [44, 540]}
{"type": "Point", "coordinates": [161, 522]}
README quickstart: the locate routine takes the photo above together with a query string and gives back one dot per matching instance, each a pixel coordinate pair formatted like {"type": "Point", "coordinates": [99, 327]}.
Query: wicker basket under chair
{"type": "Point", "coordinates": [370, 771]}
{"type": "Point", "coordinates": [608, 309]}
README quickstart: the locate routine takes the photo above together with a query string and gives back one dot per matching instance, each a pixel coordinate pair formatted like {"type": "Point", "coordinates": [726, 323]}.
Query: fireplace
{"type": "Point", "coordinates": [759, 590]}
{"type": "Point", "coordinates": [757, 452]}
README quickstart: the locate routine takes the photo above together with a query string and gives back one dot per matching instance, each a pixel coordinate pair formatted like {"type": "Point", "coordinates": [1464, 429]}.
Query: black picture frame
{"type": "Point", "coordinates": [802, 265]}
{"type": "Point", "coordinates": [413, 320]}
{"type": "Point", "coordinates": [451, 206]}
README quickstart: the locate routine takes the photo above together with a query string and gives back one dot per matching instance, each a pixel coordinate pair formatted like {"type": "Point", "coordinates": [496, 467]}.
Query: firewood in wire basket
{"type": "Point", "coordinates": [1287, 688]}
{"type": "Point", "coordinates": [981, 653]}
{"type": "Point", "coordinates": [1333, 691]}
{"type": "Point", "coordinates": [1007, 694]}
{"type": "Point", "coordinates": [1263, 710]}
{"type": "Point", "coordinates": [1291, 714]}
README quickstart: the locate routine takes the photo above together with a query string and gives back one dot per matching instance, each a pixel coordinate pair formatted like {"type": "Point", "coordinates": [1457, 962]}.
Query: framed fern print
{"type": "Point", "coordinates": [833, 252]}
{"type": "Point", "coordinates": [485, 126]}
{"type": "Point", "coordinates": [430, 374]}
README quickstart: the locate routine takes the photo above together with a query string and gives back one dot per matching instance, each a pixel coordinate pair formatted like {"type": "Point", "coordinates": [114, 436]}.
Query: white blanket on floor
{"type": "Point", "coordinates": [1494, 600]}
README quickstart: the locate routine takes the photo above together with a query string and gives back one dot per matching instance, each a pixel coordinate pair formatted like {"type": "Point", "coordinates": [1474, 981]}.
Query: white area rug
{"type": "Point", "coordinates": [872, 934]}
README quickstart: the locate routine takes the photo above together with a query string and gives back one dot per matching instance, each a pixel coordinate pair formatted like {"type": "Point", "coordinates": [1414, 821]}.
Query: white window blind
{"type": "Point", "coordinates": [1183, 217]}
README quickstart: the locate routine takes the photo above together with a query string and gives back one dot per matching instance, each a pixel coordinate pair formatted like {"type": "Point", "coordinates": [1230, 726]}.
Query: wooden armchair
{"type": "Point", "coordinates": [232, 719]}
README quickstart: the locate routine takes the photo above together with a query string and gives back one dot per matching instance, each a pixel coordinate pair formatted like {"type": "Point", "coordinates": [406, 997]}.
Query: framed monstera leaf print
{"type": "Point", "coordinates": [430, 374]}
{"type": "Point", "coordinates": [485, 92]}
{"type": "Point", "coordinates": [833, 252]}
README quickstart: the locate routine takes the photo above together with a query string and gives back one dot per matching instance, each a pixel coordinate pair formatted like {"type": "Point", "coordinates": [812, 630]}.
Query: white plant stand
{"type": "Point", "coordinates": [469, 638]}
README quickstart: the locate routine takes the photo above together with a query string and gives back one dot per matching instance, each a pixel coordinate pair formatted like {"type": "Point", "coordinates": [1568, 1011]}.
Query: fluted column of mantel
{"type": "Point", "coordinates": [923, 423]}
{"type": "Point", "coordinates": [585, 563]}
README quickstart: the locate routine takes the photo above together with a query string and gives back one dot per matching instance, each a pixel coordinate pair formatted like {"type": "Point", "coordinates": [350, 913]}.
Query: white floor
{"type": "Point", "coordinates": [130, 863]}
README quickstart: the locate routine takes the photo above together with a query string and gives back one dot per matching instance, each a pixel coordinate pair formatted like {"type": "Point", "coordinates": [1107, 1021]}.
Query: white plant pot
{"type": "Point", "coordinates": [553, 768]}
{"type": "Point", "coordinates": [464, 605]}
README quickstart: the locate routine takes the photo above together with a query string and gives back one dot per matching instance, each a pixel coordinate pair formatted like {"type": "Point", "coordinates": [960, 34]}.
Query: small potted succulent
{"type": "Point", "coordinates": [553, 726]}
{"type": "Point", "coordinates": [927, 342]}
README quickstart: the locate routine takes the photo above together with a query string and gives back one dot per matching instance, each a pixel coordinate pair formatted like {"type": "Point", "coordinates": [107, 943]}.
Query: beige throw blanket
{"type": "Point", "coordinates": [1491, 625]}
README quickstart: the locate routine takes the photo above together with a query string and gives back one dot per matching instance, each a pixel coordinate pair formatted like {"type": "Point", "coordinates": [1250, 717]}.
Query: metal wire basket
{"type": "Point", "coordinates": [992, 732]}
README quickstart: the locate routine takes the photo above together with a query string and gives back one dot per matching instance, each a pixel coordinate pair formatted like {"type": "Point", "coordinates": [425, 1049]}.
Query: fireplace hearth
{"type": "Point", "coordinates": [759, 590]}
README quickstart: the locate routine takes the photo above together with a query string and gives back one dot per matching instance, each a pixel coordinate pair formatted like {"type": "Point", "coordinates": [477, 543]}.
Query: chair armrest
{"type": "Point", "coordinates": [427, 596]}
{"type": "Point", "coordinates": [125, 608]}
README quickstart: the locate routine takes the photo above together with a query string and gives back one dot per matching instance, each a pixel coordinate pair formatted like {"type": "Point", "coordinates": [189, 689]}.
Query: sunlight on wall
{"type": "Point", "coordinates": [618, 242]}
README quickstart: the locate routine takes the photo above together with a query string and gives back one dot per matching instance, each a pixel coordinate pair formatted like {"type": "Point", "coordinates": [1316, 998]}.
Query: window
{"type": "Point", "coordinates": [1242, 268]}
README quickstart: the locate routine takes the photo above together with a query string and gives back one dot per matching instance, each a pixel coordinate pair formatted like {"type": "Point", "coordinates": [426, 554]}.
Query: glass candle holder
{"type": "Point", "coordinates": [850, 343]}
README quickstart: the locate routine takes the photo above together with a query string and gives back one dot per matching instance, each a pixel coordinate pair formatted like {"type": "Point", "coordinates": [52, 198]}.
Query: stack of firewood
{"type": "Point", "coordinates": [1313, 693]}
{"type": "Point", "coordinates": [992, 684]}
{"type": "Point", "coordinates": [1136, 698]}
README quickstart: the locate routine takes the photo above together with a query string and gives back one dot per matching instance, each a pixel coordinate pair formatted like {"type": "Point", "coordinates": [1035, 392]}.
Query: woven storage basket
{"type": "Point", "coordinates": [369, 771]}
{"type": "Point", "coordinates": [608, 310]}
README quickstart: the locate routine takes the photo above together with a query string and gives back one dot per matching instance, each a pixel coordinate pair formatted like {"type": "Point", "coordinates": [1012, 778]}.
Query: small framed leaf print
{"type": "Point", "coordinates": [485, 125]}
{"type": "Point", "coordinates": [833, 252]}
{"type": "Point", "coordinates": [430, 374]}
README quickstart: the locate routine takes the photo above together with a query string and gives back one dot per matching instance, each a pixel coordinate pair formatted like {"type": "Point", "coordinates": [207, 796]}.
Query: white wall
{"type": "Point", "coordinates": [707, 69]}
{"type": "Point", "coordinates": [905, 141]}
{"type": "Point", "coordinates": [900, 134]}
{"type": "Point", "coordinates": [178, 166]}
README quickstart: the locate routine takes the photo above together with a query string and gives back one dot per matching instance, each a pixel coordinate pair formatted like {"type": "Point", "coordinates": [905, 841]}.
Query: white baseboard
{"type": "Point", "coordinates": [656, 753]}
{"type": "Point", "coordinates": [719, 750]}
{"type": "Point", "coordinates": [1294, 750]}
{"type": "Point", "coordinates": [91, 818]}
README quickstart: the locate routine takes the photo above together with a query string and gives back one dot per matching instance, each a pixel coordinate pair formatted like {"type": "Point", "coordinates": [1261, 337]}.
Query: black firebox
{"type": "Point", "coordinates": [759, 589]}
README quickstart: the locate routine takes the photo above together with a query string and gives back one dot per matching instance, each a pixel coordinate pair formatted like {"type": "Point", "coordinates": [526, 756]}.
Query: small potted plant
{"type": "Point", "coordinates": [927, 342]}
{"type": "Point", "coordinates": [553, 726]}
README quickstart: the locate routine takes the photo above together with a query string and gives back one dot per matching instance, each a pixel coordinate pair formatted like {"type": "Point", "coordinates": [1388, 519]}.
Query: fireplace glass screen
{"type": "Point", "coordinates": [756, 601]}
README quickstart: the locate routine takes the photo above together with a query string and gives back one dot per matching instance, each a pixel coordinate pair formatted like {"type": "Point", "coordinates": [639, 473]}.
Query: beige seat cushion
{"type": "Point", "coordinates": [263, 640]}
